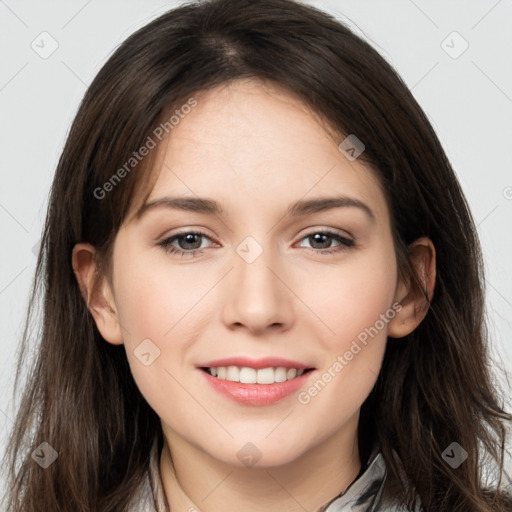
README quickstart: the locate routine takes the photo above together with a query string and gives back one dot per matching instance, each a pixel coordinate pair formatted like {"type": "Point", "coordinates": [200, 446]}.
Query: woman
{"type": "Point", "coordinates": [262, 285]}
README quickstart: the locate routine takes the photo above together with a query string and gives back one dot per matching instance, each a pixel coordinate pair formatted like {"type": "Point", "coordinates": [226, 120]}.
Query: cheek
{"type": "Point", "coordinates": [353, 351]}
{"type": "Point", "coordinates": [150, 314]}
{"type": "Point", "coordinates": [154, 302]}
{"type": "Point", "coordinates": [154, 296]}
{"type": "Point", "coordinates": [358, 306]}
{"type": "Point", "coordinates": [145, 309]}
{"type": "Point", "coordinates": [352, 296]}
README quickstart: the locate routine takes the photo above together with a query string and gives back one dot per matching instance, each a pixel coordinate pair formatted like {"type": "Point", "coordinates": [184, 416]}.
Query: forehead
{"type": "Point", "coordinates": [251, 145]}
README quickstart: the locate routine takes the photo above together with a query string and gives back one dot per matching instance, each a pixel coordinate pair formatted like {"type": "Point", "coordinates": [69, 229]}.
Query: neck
{"type": "Point", "coordinates": [195, 481]}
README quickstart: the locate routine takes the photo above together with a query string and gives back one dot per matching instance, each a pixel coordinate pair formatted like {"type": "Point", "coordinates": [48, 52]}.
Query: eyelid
{"type": "Point", "coordinates": [328, 230]}
{"type": "Point", "coordinates": [190, 231]}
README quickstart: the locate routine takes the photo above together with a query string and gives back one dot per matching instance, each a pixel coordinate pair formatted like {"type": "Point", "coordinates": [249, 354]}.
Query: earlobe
{"type": "Point", "coordinates": [413, 299]}
{"type": "Point", "coordinates": [96, 293]}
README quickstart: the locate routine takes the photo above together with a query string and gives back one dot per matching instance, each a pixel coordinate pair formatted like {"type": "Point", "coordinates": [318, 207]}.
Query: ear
{"type": "Point", "coordinates": [415, 306]}
{"type": "Point", "coordinates": [96, 292]}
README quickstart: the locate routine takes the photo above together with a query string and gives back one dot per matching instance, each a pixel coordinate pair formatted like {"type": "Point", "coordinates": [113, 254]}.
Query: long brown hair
{"type": "Point", "coordinates": [436, 384]}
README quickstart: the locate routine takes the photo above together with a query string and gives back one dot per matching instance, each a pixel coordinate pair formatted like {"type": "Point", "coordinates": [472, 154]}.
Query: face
{"type": "Point", "coordinates": [252, 287]}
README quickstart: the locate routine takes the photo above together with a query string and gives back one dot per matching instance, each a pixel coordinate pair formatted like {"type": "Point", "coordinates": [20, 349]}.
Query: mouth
{"type": "Point", "coordinates": [253, 382]}
{"type": "Point", "coordinates": [247, 375]}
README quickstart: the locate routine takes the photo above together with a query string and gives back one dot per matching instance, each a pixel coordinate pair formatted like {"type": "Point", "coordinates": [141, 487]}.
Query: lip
{"type": "Point", "coordinates": [265, 362]}
{"type": "Point", "coordinates": [256, 395]}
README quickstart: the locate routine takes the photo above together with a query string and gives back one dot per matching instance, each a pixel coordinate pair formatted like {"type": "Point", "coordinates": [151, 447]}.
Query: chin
{"type": "Point", "coordinates": [262, 453]}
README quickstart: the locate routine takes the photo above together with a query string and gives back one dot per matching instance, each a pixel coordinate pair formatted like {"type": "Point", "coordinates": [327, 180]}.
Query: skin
{"type": "Point", "coordinates": [256, 149]}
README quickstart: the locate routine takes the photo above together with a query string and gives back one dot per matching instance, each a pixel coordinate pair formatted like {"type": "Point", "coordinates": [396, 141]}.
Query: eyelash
{"type": "Point", "coordinates": [345, 243]}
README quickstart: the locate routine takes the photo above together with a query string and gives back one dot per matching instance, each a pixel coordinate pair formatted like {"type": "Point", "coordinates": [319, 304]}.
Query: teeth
{"type": "Point", "coordinates": [266, 376]}
{"type": "Point", "coordinates": [247, 375]}
{"type": "Point", "coordinates": [233, 374]}
{"type": "Point", "coordinates": [280, 374]}
{"type": "Point", "coordinates": [291, 374]}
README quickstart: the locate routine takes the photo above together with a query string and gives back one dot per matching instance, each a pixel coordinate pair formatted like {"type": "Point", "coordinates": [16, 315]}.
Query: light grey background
{"type": "Point", "coordinates": [468, 99]}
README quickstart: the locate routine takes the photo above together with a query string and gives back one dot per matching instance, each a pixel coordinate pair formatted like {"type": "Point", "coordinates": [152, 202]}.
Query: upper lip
{"type": "Point", "coordinates": [265, 362]}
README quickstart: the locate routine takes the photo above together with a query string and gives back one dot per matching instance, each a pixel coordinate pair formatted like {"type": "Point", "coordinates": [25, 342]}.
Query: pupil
{"type": "Point", "coordinates": [318, 239]}
{"type": "Point", "coordinates": [189, 239]}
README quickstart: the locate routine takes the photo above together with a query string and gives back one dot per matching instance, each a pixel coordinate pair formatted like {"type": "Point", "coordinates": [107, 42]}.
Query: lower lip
{"type": "Point", "coordinates": [256, 394]}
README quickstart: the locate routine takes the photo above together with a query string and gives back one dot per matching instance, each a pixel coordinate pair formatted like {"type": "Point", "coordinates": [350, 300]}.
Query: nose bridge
{"type": "Point", "coordinates": [257, 296]}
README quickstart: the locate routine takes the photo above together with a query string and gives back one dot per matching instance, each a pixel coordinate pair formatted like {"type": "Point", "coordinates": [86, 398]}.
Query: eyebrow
{"type": "Point", "coordinates": [296, 209]}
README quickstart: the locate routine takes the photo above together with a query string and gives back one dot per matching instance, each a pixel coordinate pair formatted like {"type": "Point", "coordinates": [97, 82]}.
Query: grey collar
{"type": "Point", "coordinates": [364, 493]}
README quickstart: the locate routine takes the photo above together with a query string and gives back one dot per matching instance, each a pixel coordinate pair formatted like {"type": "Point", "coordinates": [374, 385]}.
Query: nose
{"type": "Point", "coordinates": [257, 296]}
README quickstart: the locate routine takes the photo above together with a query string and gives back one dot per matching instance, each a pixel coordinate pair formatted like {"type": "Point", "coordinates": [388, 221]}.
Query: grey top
{"type": "Point", "coordinates": [364, 494]}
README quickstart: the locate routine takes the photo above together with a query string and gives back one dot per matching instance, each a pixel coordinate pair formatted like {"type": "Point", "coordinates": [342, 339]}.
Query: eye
{"type": "Point", "coordinates": [325, 238]}
{"type": "Point", "coordinates": [189, 243]}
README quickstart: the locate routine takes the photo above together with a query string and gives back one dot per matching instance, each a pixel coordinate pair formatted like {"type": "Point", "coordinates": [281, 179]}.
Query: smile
{"type": "Point", "coordinates": [255, 382]}
{"type": "Point", "coordinates": [247, 375]}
